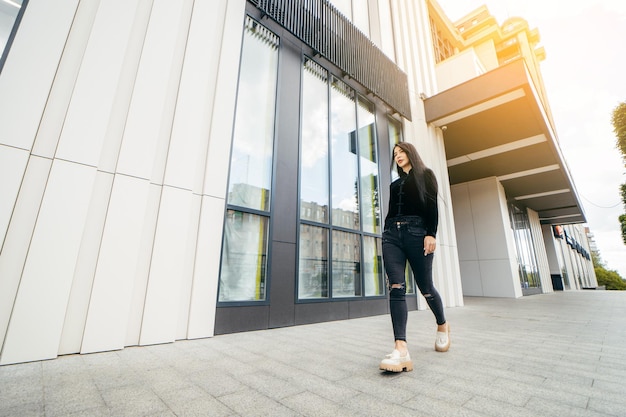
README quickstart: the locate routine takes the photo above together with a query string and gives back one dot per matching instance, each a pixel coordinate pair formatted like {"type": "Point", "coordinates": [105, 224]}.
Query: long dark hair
{"type": "Point", "coordinates": [418, 168]}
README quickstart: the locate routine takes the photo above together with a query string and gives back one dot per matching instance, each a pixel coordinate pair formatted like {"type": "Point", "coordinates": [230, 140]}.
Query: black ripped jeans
{"type": "Point", "coordinates": [403, 240]}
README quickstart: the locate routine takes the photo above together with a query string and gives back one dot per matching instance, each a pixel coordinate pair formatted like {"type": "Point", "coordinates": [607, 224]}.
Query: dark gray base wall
{"type": "Point", "coordinates": [247, 318]}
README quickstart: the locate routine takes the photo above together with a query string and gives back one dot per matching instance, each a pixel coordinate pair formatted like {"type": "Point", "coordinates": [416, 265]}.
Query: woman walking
{"type": "Point", "coordinates": [410, 229]}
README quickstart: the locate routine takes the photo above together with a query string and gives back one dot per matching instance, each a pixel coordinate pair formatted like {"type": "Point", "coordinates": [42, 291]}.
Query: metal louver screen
{"type": "Point", "coordinates": [322, 27]}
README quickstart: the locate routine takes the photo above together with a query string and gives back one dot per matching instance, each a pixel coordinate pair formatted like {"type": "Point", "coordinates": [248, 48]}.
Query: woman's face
{"type": "Point", "coordinates": [402, 159]}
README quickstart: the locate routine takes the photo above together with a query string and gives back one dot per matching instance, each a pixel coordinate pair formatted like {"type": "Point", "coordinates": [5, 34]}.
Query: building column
{"type": "Point", "coordinates": [485, 240]}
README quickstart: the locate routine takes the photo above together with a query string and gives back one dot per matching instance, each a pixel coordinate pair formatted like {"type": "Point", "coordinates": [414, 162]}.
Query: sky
{"type": "Point", "coordinates": [584, 79]}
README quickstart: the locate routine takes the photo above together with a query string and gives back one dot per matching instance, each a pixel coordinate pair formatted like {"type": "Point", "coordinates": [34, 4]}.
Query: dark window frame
{"type": "Point", "coordinates": [11, 38]}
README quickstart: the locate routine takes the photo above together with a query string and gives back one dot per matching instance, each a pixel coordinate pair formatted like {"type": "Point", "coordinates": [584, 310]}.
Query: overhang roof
{"type": "Point", "coordinates": [495, 126]}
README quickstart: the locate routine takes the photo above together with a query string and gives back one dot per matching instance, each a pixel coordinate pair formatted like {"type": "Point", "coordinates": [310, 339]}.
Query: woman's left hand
{"type": "Point", "coordinates": [429, 245]}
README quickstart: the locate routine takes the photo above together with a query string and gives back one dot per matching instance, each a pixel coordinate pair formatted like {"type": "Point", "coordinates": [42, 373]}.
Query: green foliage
{"type": "Point", "coordinates": [597, 259]}
{"type": "Point", "coordinates": [609, 279]}
{"type": "Point", "coordinates": [619, 127]}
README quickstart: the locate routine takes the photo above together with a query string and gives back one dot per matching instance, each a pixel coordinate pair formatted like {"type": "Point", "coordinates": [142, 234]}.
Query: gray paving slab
{"type": "Point", "coordinates": [559, 354]}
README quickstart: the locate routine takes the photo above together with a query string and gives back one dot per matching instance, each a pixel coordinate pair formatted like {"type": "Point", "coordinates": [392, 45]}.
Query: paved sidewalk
{"type": "Point", "coordinates": [560, 354]}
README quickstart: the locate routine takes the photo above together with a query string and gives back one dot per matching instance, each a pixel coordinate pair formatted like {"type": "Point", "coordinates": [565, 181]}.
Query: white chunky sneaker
{"type": "Point", "coordinates": [442, 342]}
{"type": "Point", "coordinates": [394, 362]}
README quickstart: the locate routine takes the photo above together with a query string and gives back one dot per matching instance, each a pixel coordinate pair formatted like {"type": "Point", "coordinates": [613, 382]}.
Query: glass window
{"type": "Point", "coordinates": [10, 14]}
{"type": "Point", "coordinates": [373, 275]}
{"type": "Point", "coordinates": [339, 251]}
{"type": "Point", "coordinates": [314, 149]}
{"type": "Point", "coordinates": [244, 257]}
{"type": "Point", "coordinates": [313, 262]}
{"type": "Point", "coordinates": [344, 174]}
{"type": "Point", "coordinates": [251, 161]}
{"type": "Point", "coordinates": [368, 154]}
{"type": "Point", "coordinates": [346, 263]}
{"type": "Point", "coordinates": [395, 136]}
{"type": "Point", "coordinates": [526, 258]}
{"type": "Point", "coordinates": [394, 129]}
{"type": "Point", "coordinates": [245, 245]}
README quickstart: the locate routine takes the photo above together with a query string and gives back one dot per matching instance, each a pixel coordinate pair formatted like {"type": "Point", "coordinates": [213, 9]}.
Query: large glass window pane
{"type": "Point", "coordinates": [527, 261]}
{"type": "Point", "coordinates": [244, 257]}
{"type": "Point", "coordinates": [9, 11]}
{"type": "Point", "coordinates": [313, 262]}
{"type": "Point", "coordinates": [251, 161]}
{"type": "Point", "coordinates": [314, 131]}
{"type": "Point", "coordinates": [345, 208]}
{"type": "Point", "coordinates": [346, 272]}
{"type": "Point", "coordinates": [395, 136]}
{"type": "Point", "coordinates": [368, 147]}
{"type": "Point", "coordinates": [373, 276]}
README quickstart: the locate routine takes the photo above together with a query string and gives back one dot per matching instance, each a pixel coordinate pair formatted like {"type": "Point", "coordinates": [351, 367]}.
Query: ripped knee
{"type": "Point", "coordinates": [397, 293]}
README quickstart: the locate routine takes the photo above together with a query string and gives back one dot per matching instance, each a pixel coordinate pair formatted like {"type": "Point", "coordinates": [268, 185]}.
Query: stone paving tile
{"type": "Point", "coordinates": [549, 355]}
{"type": "Point", "coordinates": [543, 407]}
{"type": "Point", "coordinates": [251, 403]}
{"type": "Point", "coordinates": [312, 405]}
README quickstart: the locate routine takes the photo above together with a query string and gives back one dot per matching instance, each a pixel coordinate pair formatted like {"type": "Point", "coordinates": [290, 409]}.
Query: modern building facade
{"type": "Point", "coordinates": [180, 169]}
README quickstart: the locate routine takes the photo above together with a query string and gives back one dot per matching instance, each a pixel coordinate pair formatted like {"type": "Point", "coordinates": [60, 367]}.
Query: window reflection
{"type": "Point", "coordinates": [244, 257]}
{"type": "Point", "coordinates": [245, 245]}
{"type": "Point", "coordinates": [313, 262]}
{"type": "Point", "coordinates": [394, 128]}
{"type": "Point", "coordinates": [395, 136]}
{"type": "Point", "coordinates": [251, 161]}
{"type": "Point", "coordinates": [314, 149]}
{"type": "Point", "coordinates": [373, 276]}
{"type": "Point", "coordinates": [344, 174]}
{"type": "Point", "coordinates": [368, 153]}
{"type": "Point", "coordinates": [527, 261]}
{"type": "Point", "coordinates": [339, 165]}
{"type": "Point", "coordinates": [346, 272]}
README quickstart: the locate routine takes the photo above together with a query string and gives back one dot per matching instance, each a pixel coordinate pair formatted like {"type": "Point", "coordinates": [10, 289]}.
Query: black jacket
{"type": "Point", "coordinates": [404, 201]}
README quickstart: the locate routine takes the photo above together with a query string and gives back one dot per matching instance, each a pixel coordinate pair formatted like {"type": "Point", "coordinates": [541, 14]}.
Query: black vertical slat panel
{"type": "Point", "coordinates": [320, 25]}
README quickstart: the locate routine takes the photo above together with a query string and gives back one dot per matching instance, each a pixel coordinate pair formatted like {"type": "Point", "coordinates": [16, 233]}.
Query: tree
{"type": "Point", "coordinates": [611, 280]}
{"type": "Point", "coordinates": [619, 128]}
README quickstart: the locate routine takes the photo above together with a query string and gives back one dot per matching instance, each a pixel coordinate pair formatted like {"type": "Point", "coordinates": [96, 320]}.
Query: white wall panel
{"type": "Point", "coordinates": [472, 282]}
{"type": "Point", "coordinates": [464, 223]}
{"type": "Point", "coordinates": [187, 155]}
{"type": "Point", "coordinates": [12, 167]}
{"type": "Point", "coordinates": [114, 280]}
{"type": "Point", "coordinates": [491, 241]}
{"type": "Point", "coordinates": [78, 304]}
{"type": "Point", "coordinates": [95, 96]}
{"type": "Point", "coordinates": [53, 118]}
{"type": "Point", "coordinates": [144, 259]}
{"type": "Point", "coordinates": [149, 122]}
{"type": "Point", "coordinates": [166, 278]}
{"type": "Point", "coordinates": [216, 174]}
{"type": "Point", "coordinates": [19, 234]}
{"type": "Point", "coordinates": [30, 68]}
{"type": "Point", "coordinates": [207, 265]}
{"type": "Point", "coordinates": [499, 278]}
{"type": "Point", "coordinates": [37, 319]}
{"type": "Point", "coordinates": [485, 239]}
{"type": "Point", "coordinates": [186, 274]}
